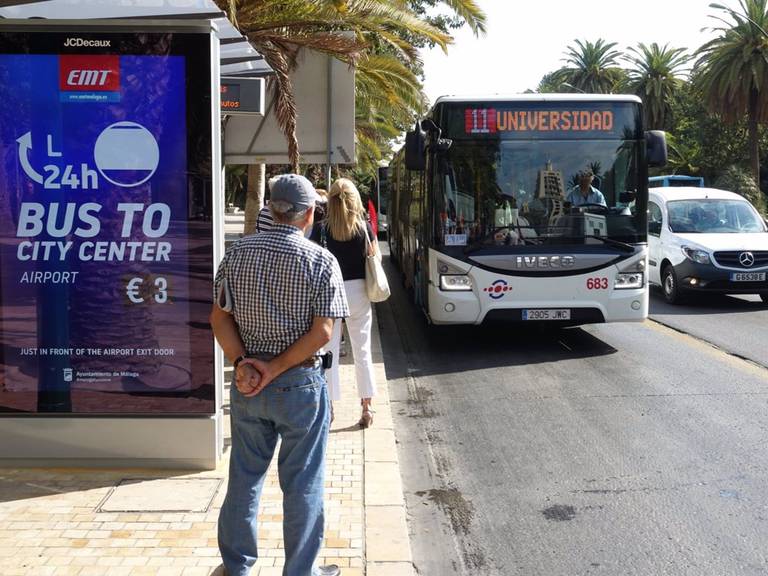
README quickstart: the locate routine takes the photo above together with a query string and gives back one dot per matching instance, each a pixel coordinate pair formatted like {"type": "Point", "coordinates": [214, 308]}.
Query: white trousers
{"type": "Point", "coordinates": [359, 329]}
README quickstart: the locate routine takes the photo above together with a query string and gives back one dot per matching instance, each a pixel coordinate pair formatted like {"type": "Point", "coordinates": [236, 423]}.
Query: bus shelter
{"type": "Point", "coordinates": [111, 224]}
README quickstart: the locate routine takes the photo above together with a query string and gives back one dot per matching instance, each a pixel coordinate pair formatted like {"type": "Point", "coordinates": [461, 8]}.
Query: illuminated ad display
{"type": "Point", "coordinates": [106, 243]}
{"type": "Point", "coordinates": [545, 120]}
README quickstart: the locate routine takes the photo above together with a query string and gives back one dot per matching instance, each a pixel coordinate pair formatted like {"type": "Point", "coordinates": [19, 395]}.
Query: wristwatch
{"type": "Point", "coordinates": [238, 360]}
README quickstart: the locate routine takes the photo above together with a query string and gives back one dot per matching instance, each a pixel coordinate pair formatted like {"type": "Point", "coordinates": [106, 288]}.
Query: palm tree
{"type": "Point", "coordinates": [279, 29]}
{"type": "Point", "coordinates": [592, 67]}
{"type": "Point", "coordinates": [655, 77]}
{"type": "Point", "coordinates": [733, 70]}
{"type": "Point", "coordinates": [387, 96]}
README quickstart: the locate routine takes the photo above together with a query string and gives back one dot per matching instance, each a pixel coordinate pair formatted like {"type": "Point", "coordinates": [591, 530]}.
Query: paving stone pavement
{"type": "Point", "coordinates": [61, 522]}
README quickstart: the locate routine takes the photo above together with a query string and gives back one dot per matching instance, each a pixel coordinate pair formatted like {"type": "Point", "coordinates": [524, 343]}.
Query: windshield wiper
{"type": "Point", "coordinates": [477, 244]}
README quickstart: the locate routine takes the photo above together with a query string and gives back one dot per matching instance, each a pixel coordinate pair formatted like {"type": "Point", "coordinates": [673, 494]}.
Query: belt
{"type": "Point", "coordinates": [310, 362]}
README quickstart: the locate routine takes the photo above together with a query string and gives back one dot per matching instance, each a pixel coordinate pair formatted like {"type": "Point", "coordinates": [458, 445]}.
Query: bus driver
{"type": "Point", "coordinates": [585, 193]}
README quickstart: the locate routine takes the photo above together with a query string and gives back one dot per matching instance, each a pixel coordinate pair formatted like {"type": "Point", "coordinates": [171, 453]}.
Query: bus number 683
{"type": "Point", "coordinates": [597, 283]}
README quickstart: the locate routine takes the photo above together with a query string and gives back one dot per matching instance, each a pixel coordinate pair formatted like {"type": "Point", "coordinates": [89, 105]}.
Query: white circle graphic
{"type": "Point", "coordinates": [126, 154]}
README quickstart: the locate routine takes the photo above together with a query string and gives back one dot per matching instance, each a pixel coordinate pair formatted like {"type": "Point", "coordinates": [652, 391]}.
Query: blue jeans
{"type": "Point", "coordinates": [294, 407]}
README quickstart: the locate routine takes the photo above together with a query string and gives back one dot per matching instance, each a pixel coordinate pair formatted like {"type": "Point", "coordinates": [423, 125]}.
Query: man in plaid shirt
{"type": "Point", "coordinates": [276, 297]}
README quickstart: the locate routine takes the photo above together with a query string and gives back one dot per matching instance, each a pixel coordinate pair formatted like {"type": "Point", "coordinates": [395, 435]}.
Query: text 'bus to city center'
{"type": "Point", "coordinates": [526, 208]}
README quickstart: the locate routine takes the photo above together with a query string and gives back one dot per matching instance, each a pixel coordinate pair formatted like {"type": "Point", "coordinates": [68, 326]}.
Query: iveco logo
{"type": "Point", "coordinates": [746, 259]}
{"type": "Point", "coordinates": [544, 261]}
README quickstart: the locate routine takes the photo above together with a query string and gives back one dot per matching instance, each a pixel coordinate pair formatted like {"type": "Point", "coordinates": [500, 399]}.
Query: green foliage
{"type": "Point", "coordinates": [735, 63]}
{"type": "Point", "coordinates": [655, 76]}
{"type": "Point", "coordinates": [236, 177]}
{"type": "Point", "coordinates": [463, 13]}
{"type": "Point", "coordinates": [592, 68]}
{"type": "Point", "coordinates": [713, 118]}
{"type": "Point", "coordinates": [383, 47]}
{"type": "Point", "coordinates": [552, 83]}
{"type": "Point", "coordinates": [733, 70]}
{"type": "Point", "coordinates": [736, 179]}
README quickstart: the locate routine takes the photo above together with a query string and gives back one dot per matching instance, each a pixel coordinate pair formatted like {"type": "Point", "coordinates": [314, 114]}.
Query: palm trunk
{"type": "Point", "coordinates": [254, 196]}
{"type": "Point", "coordinates": [754, 142]}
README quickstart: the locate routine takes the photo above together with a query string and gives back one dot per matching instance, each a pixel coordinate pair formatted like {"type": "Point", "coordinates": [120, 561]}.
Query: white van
{"type": "Point", "coordinates": [705, 240]}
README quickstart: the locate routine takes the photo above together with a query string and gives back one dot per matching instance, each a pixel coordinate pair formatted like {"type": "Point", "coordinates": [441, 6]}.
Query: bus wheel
{"type": "Point", "coordinates": [669, 285]}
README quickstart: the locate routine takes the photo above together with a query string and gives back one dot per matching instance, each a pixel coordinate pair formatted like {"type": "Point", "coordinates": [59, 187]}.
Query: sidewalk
{"type": "Point", "coordinates": [139, 522]}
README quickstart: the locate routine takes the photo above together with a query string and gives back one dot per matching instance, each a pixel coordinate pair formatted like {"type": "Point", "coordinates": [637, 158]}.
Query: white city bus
{"type": "Point", "coordinates": [479, 219]}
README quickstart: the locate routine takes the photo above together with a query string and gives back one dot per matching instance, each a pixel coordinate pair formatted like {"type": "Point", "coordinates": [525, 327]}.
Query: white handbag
{"type": "Point", "coordinates": [376, 284]}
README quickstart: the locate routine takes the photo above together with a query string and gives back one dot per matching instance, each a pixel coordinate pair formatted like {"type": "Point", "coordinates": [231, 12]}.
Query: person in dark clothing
{"type": "Point", "coordinates": [347, 235]}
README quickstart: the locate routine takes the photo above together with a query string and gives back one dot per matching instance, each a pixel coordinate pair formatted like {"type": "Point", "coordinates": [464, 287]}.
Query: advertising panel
{"type": "Point", "coordinates": [106, 243]}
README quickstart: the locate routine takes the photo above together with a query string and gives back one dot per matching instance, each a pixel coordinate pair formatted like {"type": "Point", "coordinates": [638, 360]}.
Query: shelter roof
{"type": "Point", "coordinates": [238, 56]}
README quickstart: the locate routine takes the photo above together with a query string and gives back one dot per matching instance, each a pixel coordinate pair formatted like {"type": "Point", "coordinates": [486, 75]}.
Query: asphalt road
{"type": "Point", "coordinates": [736, 324]}
{"type": "Point", "coordinates": [626, 449]}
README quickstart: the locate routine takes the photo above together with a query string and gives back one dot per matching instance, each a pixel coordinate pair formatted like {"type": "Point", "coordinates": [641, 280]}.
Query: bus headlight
{"type": "Point", "coordinates": [455, 282]}
{"type": "Point", "coordinates": [628, 280]}
{"type": "Point", "coordinates": [630, 277]}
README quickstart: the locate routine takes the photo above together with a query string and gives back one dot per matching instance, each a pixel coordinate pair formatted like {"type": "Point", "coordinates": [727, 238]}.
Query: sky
{"type": "Point", "coordinates": [527, 39]}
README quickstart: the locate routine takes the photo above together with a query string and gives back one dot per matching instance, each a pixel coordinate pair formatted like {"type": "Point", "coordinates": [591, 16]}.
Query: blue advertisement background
{"type": "Point", "coordinates": [115, 336]}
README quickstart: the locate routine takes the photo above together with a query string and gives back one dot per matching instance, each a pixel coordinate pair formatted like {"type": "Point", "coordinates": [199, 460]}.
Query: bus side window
{"type": "Point", "coordinates": [416, 197]}
{"type": "Point", "coordinates": [394, 198]}
{"type": "Point", "coordinates": [405, 196]}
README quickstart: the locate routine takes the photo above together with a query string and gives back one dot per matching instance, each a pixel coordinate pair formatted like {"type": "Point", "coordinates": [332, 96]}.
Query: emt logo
{"type": "Point", "coordinates": [497, 289]}
{"type": "Point", "coordinates": [89, 78]}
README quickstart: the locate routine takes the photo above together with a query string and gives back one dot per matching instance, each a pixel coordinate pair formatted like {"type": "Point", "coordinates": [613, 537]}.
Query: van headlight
{"type": "Point", "coordinates": [630, 277]}
{"type": "Point", "coordinates": [455, 282]}
{"type": "Point", "coordinates": [696, 255]}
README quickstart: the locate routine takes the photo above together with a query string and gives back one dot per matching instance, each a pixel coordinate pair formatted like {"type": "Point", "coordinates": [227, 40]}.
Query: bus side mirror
{"type": "Point", "coordinates": [415, 147]}
{"type": "Point", "coordinates": [656, 148]}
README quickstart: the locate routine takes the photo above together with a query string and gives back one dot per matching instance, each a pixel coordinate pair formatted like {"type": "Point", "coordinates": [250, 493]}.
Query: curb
{"type": "Point", "coordinates": [387, 542]}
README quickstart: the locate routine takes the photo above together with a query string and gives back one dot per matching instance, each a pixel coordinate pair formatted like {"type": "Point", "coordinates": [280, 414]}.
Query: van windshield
{"type": "Point", "coordinates": [713, 216]}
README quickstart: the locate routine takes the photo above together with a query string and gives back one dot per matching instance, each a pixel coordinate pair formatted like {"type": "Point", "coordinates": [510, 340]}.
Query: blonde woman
{"type": "Point", "coordinates": [347, 235]}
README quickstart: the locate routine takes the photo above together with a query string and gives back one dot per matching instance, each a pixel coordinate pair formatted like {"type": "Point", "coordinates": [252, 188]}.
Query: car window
{"type": "Point", "coordinates": [680, 220]}
{"type": "Point", "coordinates": [654, 219]}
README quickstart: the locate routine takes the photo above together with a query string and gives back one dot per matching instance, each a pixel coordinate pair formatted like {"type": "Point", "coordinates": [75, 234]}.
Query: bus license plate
{"type": "Point", "coordinates": [546, 314]}
{"type": "Point", "coordinates": [747, 276]}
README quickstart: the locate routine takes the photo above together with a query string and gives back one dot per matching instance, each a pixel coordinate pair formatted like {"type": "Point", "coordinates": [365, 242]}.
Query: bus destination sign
{"type": "Point", "coordinates": [492, 121]}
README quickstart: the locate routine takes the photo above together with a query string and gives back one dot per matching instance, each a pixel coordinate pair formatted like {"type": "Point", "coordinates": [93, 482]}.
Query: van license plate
{"type": "Point", "coordinates": [747, 276]}
{"type": "Point", "coordinates": [546, 314]}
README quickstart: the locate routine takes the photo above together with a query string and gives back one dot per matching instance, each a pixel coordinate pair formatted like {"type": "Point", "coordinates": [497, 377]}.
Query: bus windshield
{"type": "Point", "coordinates": [529, 192]}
